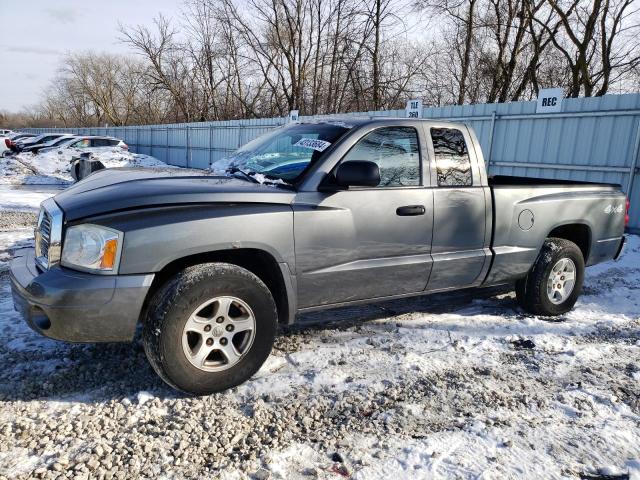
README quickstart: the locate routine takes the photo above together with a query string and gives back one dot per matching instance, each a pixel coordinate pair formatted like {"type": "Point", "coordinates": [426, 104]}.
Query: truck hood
{"type": "Point", "coordinates": [117, 189]}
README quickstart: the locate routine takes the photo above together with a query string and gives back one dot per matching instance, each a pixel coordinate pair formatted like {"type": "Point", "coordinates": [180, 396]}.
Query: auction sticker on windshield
{"type": "Point", "coordinates": [312, 143]}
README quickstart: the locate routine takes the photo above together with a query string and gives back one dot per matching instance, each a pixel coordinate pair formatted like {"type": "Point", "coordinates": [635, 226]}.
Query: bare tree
{"type": "Point", "coordinates": [226, 59]}
{"type": "Point", "coordinates": [599, 44]}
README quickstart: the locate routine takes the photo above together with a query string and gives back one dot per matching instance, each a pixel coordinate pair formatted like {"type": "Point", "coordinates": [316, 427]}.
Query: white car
{"type": "Point", "coordinates": [35, 147]}
{"type": "Point", "coordinates": [4, 133]}
{"type": "Point", "coordinates": [87, 143]}
{"type": "Point", "coordinates": [37, 140]}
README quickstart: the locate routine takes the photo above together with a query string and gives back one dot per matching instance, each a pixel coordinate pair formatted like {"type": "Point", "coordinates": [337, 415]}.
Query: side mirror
{"type": "Point", "coordinates": [358, 173]}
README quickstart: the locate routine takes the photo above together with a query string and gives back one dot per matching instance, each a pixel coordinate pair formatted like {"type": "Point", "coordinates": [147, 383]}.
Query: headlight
{"type": "Point", "coordinates": [92, 247]}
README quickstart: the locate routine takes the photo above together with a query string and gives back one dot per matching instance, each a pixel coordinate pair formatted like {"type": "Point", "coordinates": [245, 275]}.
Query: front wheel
{"type": "Point", "coordinates": [553, 285]}
{"type": "Point", "coordinates": [210, 328]}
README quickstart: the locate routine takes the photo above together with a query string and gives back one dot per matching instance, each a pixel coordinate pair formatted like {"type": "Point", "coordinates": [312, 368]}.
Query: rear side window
{"type": "Point", "coordinates": [452, 158]}
{"type": "Point", "coordinates": [395, 150]}
{"type": "Point", "coordinates": [100, 142]}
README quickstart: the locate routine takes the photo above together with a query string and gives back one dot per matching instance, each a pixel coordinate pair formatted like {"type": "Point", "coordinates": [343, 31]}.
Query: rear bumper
{"type": "Point", "coordinates": [76, 306]}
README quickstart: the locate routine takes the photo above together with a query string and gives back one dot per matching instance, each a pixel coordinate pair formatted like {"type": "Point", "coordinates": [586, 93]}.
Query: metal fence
{"type": "Point", "coordinates": [591, 139]}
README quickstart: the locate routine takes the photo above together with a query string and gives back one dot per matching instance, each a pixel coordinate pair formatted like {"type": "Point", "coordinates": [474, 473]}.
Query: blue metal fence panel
{"type": "Point", "coordinates": [592, 139]}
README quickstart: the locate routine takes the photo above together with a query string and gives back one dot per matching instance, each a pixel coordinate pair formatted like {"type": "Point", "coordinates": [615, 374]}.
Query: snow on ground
{"type": "Point", "coordinates": [24, 198]}
{"type": "Point", "coordinates": [53, 167]}
{"type": "Point", "coordinates": [447, 386]}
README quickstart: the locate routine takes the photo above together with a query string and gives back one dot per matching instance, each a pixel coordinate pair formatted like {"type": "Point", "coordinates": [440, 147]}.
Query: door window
{"type": "Point", "coordinates": [81, 144]}
{"type": "Point", "coordinates": [452, 158]}
{"type": "Point", "coordinates": [395, 150]}
{"type": "Point", "coordinates": [100, 142]}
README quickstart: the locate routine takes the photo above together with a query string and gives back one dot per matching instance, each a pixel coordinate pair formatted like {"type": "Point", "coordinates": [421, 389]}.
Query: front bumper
{"type": "Point", "coordinates": [74, 306]}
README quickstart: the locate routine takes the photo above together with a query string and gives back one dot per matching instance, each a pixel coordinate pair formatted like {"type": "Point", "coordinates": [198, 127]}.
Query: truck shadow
{"type": "Point", "coordinates": [438, 303]}
{"type": "Point", "coordinates": [33, 368]}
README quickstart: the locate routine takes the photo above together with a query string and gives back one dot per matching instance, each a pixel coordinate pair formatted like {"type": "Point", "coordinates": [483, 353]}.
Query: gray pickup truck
{"type": "Point", "coordinates": [309, 216]}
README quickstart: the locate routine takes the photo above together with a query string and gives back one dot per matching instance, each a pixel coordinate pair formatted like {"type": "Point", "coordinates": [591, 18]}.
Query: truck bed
{"type": "Point", "coordinates": [528, 210]}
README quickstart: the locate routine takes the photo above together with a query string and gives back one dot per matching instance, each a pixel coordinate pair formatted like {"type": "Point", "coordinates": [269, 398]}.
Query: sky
{"type": "Point", "coordinates": [36, 34]}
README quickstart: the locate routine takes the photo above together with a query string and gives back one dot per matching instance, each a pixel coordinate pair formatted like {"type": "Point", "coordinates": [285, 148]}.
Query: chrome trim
{"type": "Point", "coordinates": [55, 236]}
{"type": "Point", "coordinates": [612, 239]}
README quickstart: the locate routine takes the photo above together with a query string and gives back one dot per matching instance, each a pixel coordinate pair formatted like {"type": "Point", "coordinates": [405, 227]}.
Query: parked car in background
{"type": "Point", "coordinates": [84, 143]}
{"type": "Point", "coordinates": [36, 147]}
{"type": "Point", "coordinates": [9, 143]}
{"type": "Point", "coordinates": [5, 133]}
{"type": "Point", "coordinates": [23, 143]}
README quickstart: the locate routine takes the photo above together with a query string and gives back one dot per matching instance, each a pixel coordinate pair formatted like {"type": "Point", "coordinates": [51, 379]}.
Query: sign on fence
{"type": "Point", "coordinates": [549, 100]}
{"type": "Point", "coordinates": [293, 116]}
{"type": "Point", "coordinates": [414, 109]}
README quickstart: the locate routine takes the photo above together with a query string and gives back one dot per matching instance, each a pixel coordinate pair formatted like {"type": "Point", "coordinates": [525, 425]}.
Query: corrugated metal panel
{"type": "Point", "coordinates": [592, 139]}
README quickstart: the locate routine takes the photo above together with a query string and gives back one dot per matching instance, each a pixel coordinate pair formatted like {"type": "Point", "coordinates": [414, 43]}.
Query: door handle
{"type": "Point", "coordinates": [410, 210]}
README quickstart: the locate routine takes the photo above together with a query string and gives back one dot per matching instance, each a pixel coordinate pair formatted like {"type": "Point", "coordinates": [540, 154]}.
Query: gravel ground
{"type": "Point", "coordinates": [15, 219]}
{"type": "Point", "coordinates": [445, 386]}
{"type": "Point", "coordinates": [16, 231]}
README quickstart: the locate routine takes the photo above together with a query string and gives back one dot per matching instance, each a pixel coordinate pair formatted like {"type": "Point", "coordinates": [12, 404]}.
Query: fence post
{"type": "Point", "coordinates": [492, 129]}
{"type": "Point", "coordinates": [210, 145]}
{"type": "Point", "coordinates": [166, 147]}
{"type": "Point", "coordinates": [188, 146]}
{"type": "Point", "coordinates": [137, 139]}
{"type": "Point", "coordinates": [634, 161]}
{"type": "Point", "coordinates": [239, 142]}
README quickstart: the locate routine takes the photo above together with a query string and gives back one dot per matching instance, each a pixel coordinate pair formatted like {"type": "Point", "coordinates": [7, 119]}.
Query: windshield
{"type": "Point", "coordinates": [286, 152]}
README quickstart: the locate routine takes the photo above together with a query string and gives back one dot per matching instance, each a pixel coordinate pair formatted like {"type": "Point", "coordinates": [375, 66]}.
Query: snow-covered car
{"type": "Point", "coordinates": [9, 143]}
{"type": "Point", "coordinates": [87, 143]}
{"type": "Point", "coordinates": [3, 145]}
{"type": "Point", "coordinates": [5, 132]}
{"type": "Point", "coordinates": [26, 142]}
{"type": "Point", "coordinates": [36, 147]}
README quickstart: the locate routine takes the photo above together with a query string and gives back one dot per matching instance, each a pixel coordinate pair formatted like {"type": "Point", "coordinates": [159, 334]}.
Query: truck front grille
{"type": "Point", "coordinates": [47, 235]}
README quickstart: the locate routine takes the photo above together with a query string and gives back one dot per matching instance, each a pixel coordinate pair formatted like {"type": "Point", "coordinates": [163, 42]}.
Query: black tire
{"type": "Point", "coordinates": [75, 171]}
{"type": "Point", "coordinates": [178, 298]}
{"type": "Point", "coordinates": [531, 291]}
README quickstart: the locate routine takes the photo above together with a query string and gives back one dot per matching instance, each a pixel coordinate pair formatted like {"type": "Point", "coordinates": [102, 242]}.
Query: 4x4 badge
{"type": "Point", "coordinates": [614, 209]}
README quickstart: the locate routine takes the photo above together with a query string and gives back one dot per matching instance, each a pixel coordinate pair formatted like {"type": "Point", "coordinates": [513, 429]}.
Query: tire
{"type": "Point", "coordinates": [175, 353]}
{"type": "Point", "coordinates": [537, 293]}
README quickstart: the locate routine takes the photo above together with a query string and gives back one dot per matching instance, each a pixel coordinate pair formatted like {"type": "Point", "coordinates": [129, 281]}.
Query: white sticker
{"type": "Point", "coordinates": [312, 143]}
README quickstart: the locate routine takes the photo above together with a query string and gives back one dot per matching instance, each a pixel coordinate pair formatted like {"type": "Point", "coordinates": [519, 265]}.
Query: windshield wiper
{"type": "Point", "coordinates": [246, 175]}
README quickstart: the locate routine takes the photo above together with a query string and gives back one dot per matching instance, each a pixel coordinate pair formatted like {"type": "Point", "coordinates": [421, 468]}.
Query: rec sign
{"type": "Point", "coordinates": [549, 100]}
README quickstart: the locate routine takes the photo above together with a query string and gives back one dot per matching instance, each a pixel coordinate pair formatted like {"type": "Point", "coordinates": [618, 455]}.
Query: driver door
{"type": "Point", "coordinates": [367, 242]}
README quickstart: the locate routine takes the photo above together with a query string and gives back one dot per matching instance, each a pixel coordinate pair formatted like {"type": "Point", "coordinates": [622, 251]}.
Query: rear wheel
{"type": "Point", "coordinates": [553, 285]}
{"type": "Point", "coordinates": [210, 328]}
